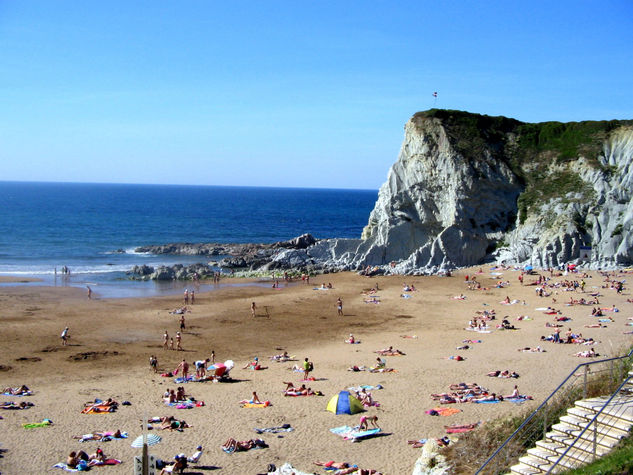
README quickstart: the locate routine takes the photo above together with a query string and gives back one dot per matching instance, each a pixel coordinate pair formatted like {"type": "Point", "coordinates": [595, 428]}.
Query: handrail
{"type": "Point", "coordinates": [570, 446]}
{"type": "Point", "coordinates": [531, 416]}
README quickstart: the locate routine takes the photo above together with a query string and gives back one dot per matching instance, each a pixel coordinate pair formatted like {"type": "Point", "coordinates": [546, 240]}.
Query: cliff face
{"type": "Point", "coordinates": [467, 188]}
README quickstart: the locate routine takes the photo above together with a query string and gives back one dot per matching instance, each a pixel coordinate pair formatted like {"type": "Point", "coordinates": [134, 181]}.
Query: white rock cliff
{"type": "Point", "coordinates": [454, 197]}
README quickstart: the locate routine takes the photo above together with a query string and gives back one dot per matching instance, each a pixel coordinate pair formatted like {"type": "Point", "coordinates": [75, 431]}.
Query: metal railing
{"type": "Point", "coordinates": [574, 387]}
{"type": "Point", "coordinates": [595, 440]}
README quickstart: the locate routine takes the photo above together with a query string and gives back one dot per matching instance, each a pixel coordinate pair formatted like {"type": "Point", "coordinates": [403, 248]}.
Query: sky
{"type": "Point", "coordinates": [286, 93]}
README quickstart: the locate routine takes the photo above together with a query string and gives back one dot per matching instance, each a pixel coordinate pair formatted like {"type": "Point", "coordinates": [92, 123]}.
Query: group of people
{"type": "Point", "coordinates": [168, 342]}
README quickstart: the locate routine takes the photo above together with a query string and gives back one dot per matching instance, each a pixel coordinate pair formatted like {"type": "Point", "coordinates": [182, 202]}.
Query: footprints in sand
{"type": "Point", "coordinates": [93, 355]}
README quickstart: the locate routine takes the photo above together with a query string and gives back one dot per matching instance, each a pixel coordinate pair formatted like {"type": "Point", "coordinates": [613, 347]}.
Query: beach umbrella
{"type": "Point", "coordinates": [344, 403]}
{"type": "Point", "coordinates": [152, 439]}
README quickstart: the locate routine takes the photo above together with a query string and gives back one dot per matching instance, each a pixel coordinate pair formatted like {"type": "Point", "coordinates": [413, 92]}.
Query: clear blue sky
{"type": "Point", "coordinates": [277, 93]}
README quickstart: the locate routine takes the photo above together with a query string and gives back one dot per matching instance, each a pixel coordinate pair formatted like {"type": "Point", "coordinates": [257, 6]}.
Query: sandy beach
{"type": "Point", "coordinates": [111, 341]}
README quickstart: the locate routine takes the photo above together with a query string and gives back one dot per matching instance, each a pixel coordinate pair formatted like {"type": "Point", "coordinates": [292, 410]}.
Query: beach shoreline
{"type": "Point", "coordinates": [111, 341]}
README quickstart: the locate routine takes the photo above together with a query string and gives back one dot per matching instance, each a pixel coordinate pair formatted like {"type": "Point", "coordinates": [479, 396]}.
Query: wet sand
{"type": "Point", "coordinates": [112, 339]}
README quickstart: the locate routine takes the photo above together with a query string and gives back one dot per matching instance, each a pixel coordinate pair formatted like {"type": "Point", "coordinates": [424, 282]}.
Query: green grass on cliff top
{"type": "Point", "coordinates": [529, 149]}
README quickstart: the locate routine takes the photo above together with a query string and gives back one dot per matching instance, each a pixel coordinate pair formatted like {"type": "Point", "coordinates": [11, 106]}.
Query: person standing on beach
{"type": "Point", "coordinates": [178, 341]}
{"type": "Point", "coordinates": [186, 297]}
{"type": "Point", "coordinates": [182, 322]}
{"type": "Point", "coordinates": [339, 307]}
{"type": "Point", "coordinates": [65, 336]}
{"type": "Point", "coordinates": [193, 297]}
{"type": "Point", "coordinates": [212, 356]}
{"type": "Point", "coordinates": [307, 367]}
{"type": "Point", "coordinates": [89, 292]}
{"type": "Point", "coordinates": [165, 340]}
{"type": "Point", "coordinates": [184, 368]}
{"type": "Point", "coordinates": [253, 309]}
{"type": "Point", "coordinates": [153, 363]}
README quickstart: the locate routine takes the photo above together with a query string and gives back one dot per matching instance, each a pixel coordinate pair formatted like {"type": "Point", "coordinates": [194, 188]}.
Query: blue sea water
{"type": "Point", "coordinates": [44, 226]}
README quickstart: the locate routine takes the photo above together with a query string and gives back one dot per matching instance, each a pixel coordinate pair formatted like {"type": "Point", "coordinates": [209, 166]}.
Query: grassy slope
{"type": "Point", "coordinates": [530, 150]}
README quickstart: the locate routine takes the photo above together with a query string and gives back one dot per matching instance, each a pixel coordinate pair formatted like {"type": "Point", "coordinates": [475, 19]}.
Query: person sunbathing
{"type": "Point", "coordinates": [179, 464]}
{"type": "Point", "coordinates": [232, 445]}
{"type": "Point", "coordinates": [527, 349]}
{"type": "Point", "coordinates": [587, 353]}
{"type": "Point", "coordinates": [489, 398]}
{"type": "Point", "coordinates": [180, 394]}
{"type": "Point", "coordinates": [13, 405]}
{"type": "Point", "coordinates": [515, 393]}
{"type": "Point", "coordinates": [74, 458]}
{"type": "Point", "coordinates": [170, 396]}
{"type": "Point", "coordinates": [22, 390]}
{"type": "Point", "coordinates": [302, 391]}
{"type": "Point", "coordinates": [333, 465]}
{"type": "Point", "coordinates": [174, 424]}
{"type": "Point", "coordinates": [283, 357]}
{"type": "Point", "coordinates": [99, 436]}
{"type": "Point", "coordinates": [389, 352]}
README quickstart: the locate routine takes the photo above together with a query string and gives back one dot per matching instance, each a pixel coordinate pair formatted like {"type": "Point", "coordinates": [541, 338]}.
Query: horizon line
{"type": "Point", "coordinates": [182, 185]}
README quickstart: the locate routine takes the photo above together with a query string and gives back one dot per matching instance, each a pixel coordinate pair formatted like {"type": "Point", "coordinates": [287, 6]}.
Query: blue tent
{"type": "Point", "coordinates": [344, 403]}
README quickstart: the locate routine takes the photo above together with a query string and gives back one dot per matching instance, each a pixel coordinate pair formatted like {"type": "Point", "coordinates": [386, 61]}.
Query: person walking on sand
{"type": "Point", "coordinates": [165, 340]}
{"type": "Point", "coordinates": [171, 343]}
{"type": "Point", "coordinates": [182, 322]}
{"type": "Point", "coordinates": [153, 363]}
{"type": "Point", "coordinates": [89, 292]}
{"type": "Point", "coordinates": [253, 309]}
{"type": "Point", "coordinates": [193, 297]}
{"type": "Point", "coordinates": [65, 336]}
{"type": "Point", "coordinates": [178, 341]}
{"type": "Point", "coordinates": [339, 307]}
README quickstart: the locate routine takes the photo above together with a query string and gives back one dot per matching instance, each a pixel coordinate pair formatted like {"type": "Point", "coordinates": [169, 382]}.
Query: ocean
{"type": "Point", "coordinates": [45, 226]}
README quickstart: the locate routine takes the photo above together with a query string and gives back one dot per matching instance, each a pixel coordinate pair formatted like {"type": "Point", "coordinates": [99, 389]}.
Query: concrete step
{"type": "Point", "coordinates": [621, 407]}
{"type": "Point", "coordinates": [603, 429]}
{"type": "Point", "coordinates": [608, 437]}
{"type": "Point", "coordinates": [524, 469]}
{"type": "Point", "coordinates": [544, 465]}
{"type": "Point", "coordinates": [573, 455]}
{"type": "Point", "coordinates": [603, 419]}
{"type": "Point", "coordinates": [566, 439]}
{"type": "Point", "coordinates": [558, 448]}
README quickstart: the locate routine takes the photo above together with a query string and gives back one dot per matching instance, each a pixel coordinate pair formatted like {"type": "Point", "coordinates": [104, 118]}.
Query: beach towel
{"type": "Point", "coordinates": [250, 405]}
{"type": "Point", "coordinates": [444, 411]}
{"type": "Point", "coordinates": [487, 402]}
{"type": "Point", "coordinates": [98, 409]}
{"type": "Point", "coordinates": [459, 429]}
{"type": "Point", "coordinates": [34, 425]}
{"type": "Point", "coordinates": [275, 430]}
{"type": "Point", "coordinates": [518, 400]}
{"type": "Point", "coordinates": [405, 296]}
{"type": "Point", "coordinates": [286, 469]}
{"type": "Point", "coordinates": [353, 433]}
{"type": "Point", "coordinates": [63, 466]}
{"type": "Point", "coordinates": [28, 393]}
{"type": "Point", "coordinates": [185, 380]}
{"type": "Point", "coordinates": [10, 405]}
{"type": "Point", "coordinates": [106, 437]}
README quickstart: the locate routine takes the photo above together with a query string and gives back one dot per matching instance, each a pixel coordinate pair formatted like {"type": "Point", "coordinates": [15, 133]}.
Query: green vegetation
{"type": "Point", "coordinates": [530, 150]}
{"type": "Point", "coordinates": [618, 462]}
{"type": "Point", "coordinates": [617, 231]}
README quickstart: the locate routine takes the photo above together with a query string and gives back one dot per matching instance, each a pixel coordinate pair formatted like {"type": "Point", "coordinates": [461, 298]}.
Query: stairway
{"type": "Point", "coordinates": [613, 424]}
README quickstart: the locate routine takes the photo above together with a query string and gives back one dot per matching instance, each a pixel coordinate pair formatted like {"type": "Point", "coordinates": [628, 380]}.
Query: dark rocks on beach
{"type": "Point", "coordinates": [249, 256]}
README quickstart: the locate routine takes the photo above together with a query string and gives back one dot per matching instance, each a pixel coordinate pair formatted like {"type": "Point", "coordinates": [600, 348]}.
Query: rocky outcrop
{"type": "Point", "coordinates": [469, 188]}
